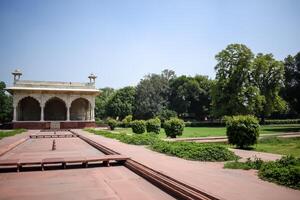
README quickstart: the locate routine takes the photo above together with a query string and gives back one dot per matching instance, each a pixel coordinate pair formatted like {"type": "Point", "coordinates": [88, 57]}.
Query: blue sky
{"type": "Point", "coordinates": [121, 41]}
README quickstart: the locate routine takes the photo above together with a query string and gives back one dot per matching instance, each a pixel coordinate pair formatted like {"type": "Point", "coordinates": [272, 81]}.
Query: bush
{"type": "Point", "coordinates": [242, 130]}
{"type": "Point", "coordinates": [194, 151]}
{"type": "Point", "coordinates": [153, 125]}
{"type": "Point", "coordinates": [126, 121]}
{"type": "Point", "coordinates": [174, 127]}
{"type": "Point", "coordinates": [285, 171]}
{"type": "Point", "coordinates": [112, 123]}
{"type": "Point", "coordinates": [138, 126]}
{"type": "Point", "coordinates": [249, 164]}
{"type": "Point", "coordinates": [139, 139]}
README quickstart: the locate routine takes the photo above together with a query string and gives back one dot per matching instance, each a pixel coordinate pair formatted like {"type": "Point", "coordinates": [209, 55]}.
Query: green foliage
{"type": "Point", "coordinates": [191, 95]}
{"type": "Point", "coordinates": [138, 126]}
{"type": "Point", "coordinates": [6, 108]}
{"type": "Point", "coordinates": [121, 103]}
{"type": "Point", "coordinates": [139, 139]}
{"type": "Point", "coordinates": [101, 102]}
{"type": "Point", "coordinates": [249, 164]}
{"type": "Point", "coordinates": [205, 124]}
{"type": "Point", "coordinates": [152, 94]}
{"type": "Point", "coordinates": [166, 114]}
{"type": "Point", "coordinates": [285, 171]}
{"type": "Point", "coordinates": [242, 130]}
{"type": "Point", "coordinates": [127, 120]}
{"type": "Point", "coordinates": [194, 151]}
{"type": "Point", "coordinates": [174, 127]}
{"type": "Point", "coordinates": [292, 82]}
{"type": "Point", "coordinates": [112, 123]}
{"type": "Point", "coordinates": [233, 93]}
{"type": "Point", "coordinates": [11, 133]}
{"type": "Point", "coordinates": [268, 76]}
{"type": "Point", "coordinates": [282, 121]}
{"type": "Point", "coordinates": [153, 125]}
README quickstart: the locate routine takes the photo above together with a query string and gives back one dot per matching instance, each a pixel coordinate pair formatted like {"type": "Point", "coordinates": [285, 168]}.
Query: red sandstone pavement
{"type": "Point", "coordinates": [101, 183]}
{"type": "Point", "coordinates": [207, 176]}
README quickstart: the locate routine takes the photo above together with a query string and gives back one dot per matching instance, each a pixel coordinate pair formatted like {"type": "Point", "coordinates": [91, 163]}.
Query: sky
{"type": "Point", "coordinates": [121, 41]}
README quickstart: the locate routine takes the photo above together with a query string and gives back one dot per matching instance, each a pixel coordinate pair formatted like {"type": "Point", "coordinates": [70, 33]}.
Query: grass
{"type": "Point", "coordinates": [10, 133]}
{"type": "Point", "coordinates": [282, 146]}
{"type": "Point", "coordinates": [221, 131]}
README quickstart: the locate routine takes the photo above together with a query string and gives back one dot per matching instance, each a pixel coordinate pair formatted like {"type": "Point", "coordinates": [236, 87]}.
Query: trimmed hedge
{"type": "Point", "coordinates": [194, 151]}
{"type": "Point", "coordinates": [153, 125]}
{"type": "Point", "coordinates": [138, 126]}
{"type": "Point", "coordinates": [242, 130]}
{"type": "Point", "coordinates": [205, 124]}
{"type": "Point", "coordinates": [139, 139]}
{"type": "Point", "coordinates": [174, 127]}
{"type": "Point", "coordinates": [282, 121]}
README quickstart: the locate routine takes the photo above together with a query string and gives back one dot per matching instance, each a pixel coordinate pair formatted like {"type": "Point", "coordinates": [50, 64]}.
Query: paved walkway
{"type": "Point", "coordinates": [101, 183]}
{"type": "Point", "coordinates": [207, 176]}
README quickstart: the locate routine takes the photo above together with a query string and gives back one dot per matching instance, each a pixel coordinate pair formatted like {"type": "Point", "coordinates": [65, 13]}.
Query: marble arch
{"type": "Point", "coordinates": [62, 92]}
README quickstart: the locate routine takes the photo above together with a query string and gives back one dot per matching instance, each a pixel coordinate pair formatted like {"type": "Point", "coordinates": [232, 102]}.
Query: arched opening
{"type": "Point", "coordinates": [55, 110]}
{"type": "Point", "coordinates": [80, 109]}
{"type": "Point", "coordinates": [29, 109]}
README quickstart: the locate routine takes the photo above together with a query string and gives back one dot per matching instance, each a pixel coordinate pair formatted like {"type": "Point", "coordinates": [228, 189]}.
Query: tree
{"type": "Point", "coordinates": [152, 94]}
{"type": "Point", "coordinates": [292, 82]}
{"type": "Point", "coordinates": [121, 103]}
{"type": "Point", "coordinates": [268, 77]}
{"type": "Point", "coordinates": [233, 92]}
{"type": "Point", "coordinates": [101, 102]}
{"type": "Point", "coordinates": [191, 95]}
{"type": "Point", "coordinates": [6, 108]}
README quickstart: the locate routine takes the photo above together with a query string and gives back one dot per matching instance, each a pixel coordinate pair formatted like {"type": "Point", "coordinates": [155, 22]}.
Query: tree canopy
{"type": "Point", "coordinates": [6, 108]}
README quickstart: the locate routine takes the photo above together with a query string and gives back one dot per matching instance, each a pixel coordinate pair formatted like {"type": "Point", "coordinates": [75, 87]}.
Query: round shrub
{"type": "Point", "coordinates": [112, 123]}
{"type": "Point", "coordinates": [138, 126]}
{"type": "Point", "coordinates": [242, 130]}
{"type": "Point", "coordinates": [127, 120]}
{"type": "Point", "coordinates": [153, 125]}
{"type": "Point", "coordinates": [174, 127]}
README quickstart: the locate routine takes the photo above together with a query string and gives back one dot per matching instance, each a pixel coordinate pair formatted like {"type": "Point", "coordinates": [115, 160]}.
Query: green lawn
{"type": "Point", "coordinates": [10, 133]}
{"type": "Point", "coordinates": [221, 131]}
{"type": "Point", "coordinates": [283, 146]}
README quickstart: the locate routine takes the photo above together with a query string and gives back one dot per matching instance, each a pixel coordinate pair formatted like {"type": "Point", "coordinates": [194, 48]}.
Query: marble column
{"type": "Point", "coordinates": [15, 114]}
{"type": "Point", "coordinates": [42, 113]}
{"type": "Point", "coordinates": [68, 113]}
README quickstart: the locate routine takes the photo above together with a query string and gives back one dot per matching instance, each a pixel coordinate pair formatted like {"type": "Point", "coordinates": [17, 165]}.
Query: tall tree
{"type": "Point", "coordinates": [190, 95]}
{"type": "Point", "coordinates": [268, 77]}
{"type": "Point", "coordinates": [233, 93]}
{"type": "Point", "coordinates": [122, 103]}
{"type": "Point", "coordinates": [101, 102]}
{"type": "Point", "coordinates": [6, 109]}
{"type": "Point", "coordinates": [292, 82]}
{"type": "Point", "coordinates": [152, 94]}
